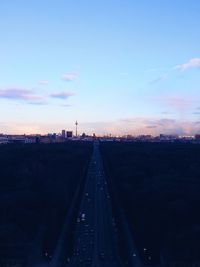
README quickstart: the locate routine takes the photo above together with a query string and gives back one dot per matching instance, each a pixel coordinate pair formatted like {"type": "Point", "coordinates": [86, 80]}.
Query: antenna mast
{"type": "Point", "coordinates": [76, 123]}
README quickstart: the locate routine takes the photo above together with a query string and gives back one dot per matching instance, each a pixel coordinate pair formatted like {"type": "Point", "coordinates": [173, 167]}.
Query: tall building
{"type": "Point", "coordinates": [69, 134]}
{"type": "Point", "coordinates": [63, 133]}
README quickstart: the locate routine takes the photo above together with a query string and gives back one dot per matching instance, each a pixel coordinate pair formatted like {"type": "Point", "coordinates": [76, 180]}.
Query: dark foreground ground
{"type": "Point", "coordinates": [140, 202]}
{"type": "Point", "coordinates": [37, 188]}
{"type": "Point", "coordinates": [158, 188]}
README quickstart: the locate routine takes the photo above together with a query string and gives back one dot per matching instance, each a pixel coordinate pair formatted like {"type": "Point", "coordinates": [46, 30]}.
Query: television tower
{"type": "Point", "coordinates": [76, 123]}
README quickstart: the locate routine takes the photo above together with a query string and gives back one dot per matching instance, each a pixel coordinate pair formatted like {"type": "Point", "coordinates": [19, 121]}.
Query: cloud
{"type": "Point", "coordinates": [70, 76]}
{"type": "Point", "coordinates": [159, 79]}
{"type": "Point", "coordinates": [192, 63]}
{"type": "Point", "coordinates": [43, 82]}
{"type": "Point", "coordinates": [62, 95]}
{"type": "Point", "coordinates": [162, 122]}
{"type": "Point", "coordinates": [15, 93]}
{"type": "Point", "coordinates": [29, 97]}
{"type": "Point", "coordinates": [20, 128]}
{"type": "Point", "coordinates": [135, 126]}
{"type": "Point", "coordinates": [139, 126]}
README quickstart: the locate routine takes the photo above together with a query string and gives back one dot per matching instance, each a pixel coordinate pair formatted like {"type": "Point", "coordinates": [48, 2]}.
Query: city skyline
{"type": "Point", "coordinates": [117, 67]}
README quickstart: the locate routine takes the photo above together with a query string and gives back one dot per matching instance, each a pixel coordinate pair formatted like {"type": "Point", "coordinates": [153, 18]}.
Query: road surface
{"type": "Point", "coordinates": [95, 243]}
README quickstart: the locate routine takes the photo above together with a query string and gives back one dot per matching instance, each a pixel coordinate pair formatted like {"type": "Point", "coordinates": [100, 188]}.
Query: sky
{"type": "Point", "coordinates": [115, 66]}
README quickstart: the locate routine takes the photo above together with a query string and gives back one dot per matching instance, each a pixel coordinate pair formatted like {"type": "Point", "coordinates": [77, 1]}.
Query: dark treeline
{"type": "Point", "coordinates": [37, 186]}
{"type": "Point", "coordinates": [158, 188]}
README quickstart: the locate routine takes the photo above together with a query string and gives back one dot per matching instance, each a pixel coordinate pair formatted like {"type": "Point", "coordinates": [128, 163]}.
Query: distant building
{"type": "Point", "coordinates": [52, 136]}
{"type": "Point", "coordinates": [46, 139]}
{"type": "Point", "coordinates": [21, 140]}
{"type": "Point", "coordinates": [4, 140]}
{"type": "Point", "coordinates": [69, 134]}
{"type": "Point", "coordinates": [83, 135]}
{"type": "Point", "coordinates": [197, 136]}
{"type": "Point", "coordinates": [168, 137]}
{"type": "Point", "coordinates": [63, 134]}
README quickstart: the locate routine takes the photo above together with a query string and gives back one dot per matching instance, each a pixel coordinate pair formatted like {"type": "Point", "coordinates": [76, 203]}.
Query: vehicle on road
{"type": "Point", "coordinates": [83, 217]}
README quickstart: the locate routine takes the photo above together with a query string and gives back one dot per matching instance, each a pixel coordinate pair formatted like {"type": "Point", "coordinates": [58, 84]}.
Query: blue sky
{"type": "Point", "coordinates": [116, 66]}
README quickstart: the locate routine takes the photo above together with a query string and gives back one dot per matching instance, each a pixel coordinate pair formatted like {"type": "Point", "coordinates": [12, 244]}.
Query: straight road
{"type": "Point", "coordinates": [95, 244]}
